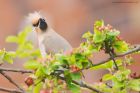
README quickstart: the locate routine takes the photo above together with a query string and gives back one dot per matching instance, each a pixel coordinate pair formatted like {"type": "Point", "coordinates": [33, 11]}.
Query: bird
{"type": "Point", "coordinates": [49, 40]}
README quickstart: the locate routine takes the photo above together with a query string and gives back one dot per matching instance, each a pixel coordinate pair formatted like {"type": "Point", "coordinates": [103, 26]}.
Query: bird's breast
{"type": "Point", "coordinates": [53, 42]}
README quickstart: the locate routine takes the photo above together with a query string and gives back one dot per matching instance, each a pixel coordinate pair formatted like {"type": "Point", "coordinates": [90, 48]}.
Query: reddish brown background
{"type": "Point", "coordinates": [70, 18]}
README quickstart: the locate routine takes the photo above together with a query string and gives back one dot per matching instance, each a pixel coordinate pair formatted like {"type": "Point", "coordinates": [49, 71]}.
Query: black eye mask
{"type": "Point", "coordinates": [42, 24]}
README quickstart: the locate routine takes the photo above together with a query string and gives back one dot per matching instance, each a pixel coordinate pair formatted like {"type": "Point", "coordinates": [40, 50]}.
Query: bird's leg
{"type": "Point", "coordinates": [43, 53]}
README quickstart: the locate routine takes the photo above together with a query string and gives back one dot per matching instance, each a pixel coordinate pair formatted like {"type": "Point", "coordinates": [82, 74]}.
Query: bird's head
{"type": "Point", "coordinates": [38, 21]}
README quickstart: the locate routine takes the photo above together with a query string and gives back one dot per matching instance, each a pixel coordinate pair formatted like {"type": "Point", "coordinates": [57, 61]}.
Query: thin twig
{"type": "Point", "coordinates": [108, 85]}
{"type": "Point", "coordinates": [113, 59]}
{"type": "Point", "coordinates": [82, 84]}
{"type": "Point", "coordinates": [136, 49]}
{"type": "Point", "coordinates": [10, 90]}
{"type": "Point", "coordinates": [11, 81]}
{"type": "Point", "coordinates": [16, 70]}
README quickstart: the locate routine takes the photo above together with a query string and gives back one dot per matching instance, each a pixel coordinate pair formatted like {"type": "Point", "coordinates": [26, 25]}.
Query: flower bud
{"type": "Point", "coordinates": [29, 81]}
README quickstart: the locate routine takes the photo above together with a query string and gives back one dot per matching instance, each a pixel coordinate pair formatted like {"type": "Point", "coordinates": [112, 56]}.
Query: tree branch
{"type": "Point", "coordinates": [16, 70]}
{"type": "Point", "coordinates": [113, 59]}
{"type": "Point", "coordinates": [10, 90]}
{"type": "Point", "coordinates": [82, 84]}
{"type": "Point", "coordinates": [11, 81]}
{"type": "Point", "coordinates": [136, 49]}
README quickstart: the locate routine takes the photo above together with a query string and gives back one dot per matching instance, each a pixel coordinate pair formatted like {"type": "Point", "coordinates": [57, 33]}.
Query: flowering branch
{"type": "Point", "coordinates": [136, 49]}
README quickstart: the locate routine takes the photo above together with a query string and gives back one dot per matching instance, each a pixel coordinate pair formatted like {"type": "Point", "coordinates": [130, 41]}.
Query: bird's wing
{"type": "Point", "coordinates": [55, 43]}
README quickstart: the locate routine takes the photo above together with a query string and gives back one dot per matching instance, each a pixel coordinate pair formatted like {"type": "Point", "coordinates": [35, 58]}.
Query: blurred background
{"type": "Point", "coordinates": [71, 18]}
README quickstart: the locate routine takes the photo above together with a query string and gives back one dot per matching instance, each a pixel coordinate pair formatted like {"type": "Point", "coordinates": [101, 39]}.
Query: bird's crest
{"type": "Point", "coordinates": [34, 17]}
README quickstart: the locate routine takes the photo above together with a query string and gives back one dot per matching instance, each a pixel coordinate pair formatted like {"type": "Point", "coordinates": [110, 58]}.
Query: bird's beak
{"type": "Point", "coordinates": [37, 30]}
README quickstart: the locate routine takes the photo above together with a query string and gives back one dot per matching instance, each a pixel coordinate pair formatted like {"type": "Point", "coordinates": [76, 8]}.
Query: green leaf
{"type": "Point", "coordinates": [36, 53]}
{"type": "Point", "coordinates": [40, 72]}
{"type": "Point", "coordinates": [134, 84]}
{"type": "Point", "coordinates": [22, 53]}
{"type": "Point", "coordinates": [2, 54]}
{"type": "Point", "coordinates": [90, 48]}
{"type": "Point", "coordinates": [8, 58]}
{"type": "Point", "coordinates": [68, 76]}
{"type": "Point", "coordinates": [12, 53]}
{"type": "Point", "coordinates": [99, 37]}
{"type": "Point", "coordinates": [76, 76]}
{"type": "Point", "coordinates": [107, 77]}
{"type": "Point", "coordinates": [98, 23]}
{"type": "Point", "coordinates": [94, 48]}
{"type": "Point", "coordinates": [122, 75]}
{"type": "Point", "coordinates": [12, 39]}
{"type": "Point", "coordinates": [28, 45]}
{"type": "Point", "coordinates": [88, 52]}
{"type": "Point", "coordinates": [74, 88]}
{"type": "Point", "coordinates": [79, 56]}
{"type": "Point", "coordinates": [120, 46]}
{"type": "Point", "coordinates": [103, 66]}
{"type": "Point", "coordinates": [55, 65]}
{"type": "Point", "coordinates": [79, 65]}
{"type": "Point", "coordinates": [72, 59]}
{"type": "Point", "coordinates": [80, 60]}
{"type": "Point", "coordinates": [47, 71]}
{"type": "Point", "coordinates": [32, 64]}
{"type": "Point", "coordinates": [23, 35]}
{"type": "Point", "coordinates": [113, 33]}
{"type": "Point", "coordinates": [87, 35]}
{"type": "Point", "coordinates": [62, 58]}
{"type": "Point", "coordinates": [110, 64]}
{"type": "Point", "coordinates": [86, 63]}
{"type": "Point", "coordinates": [37, 88]}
